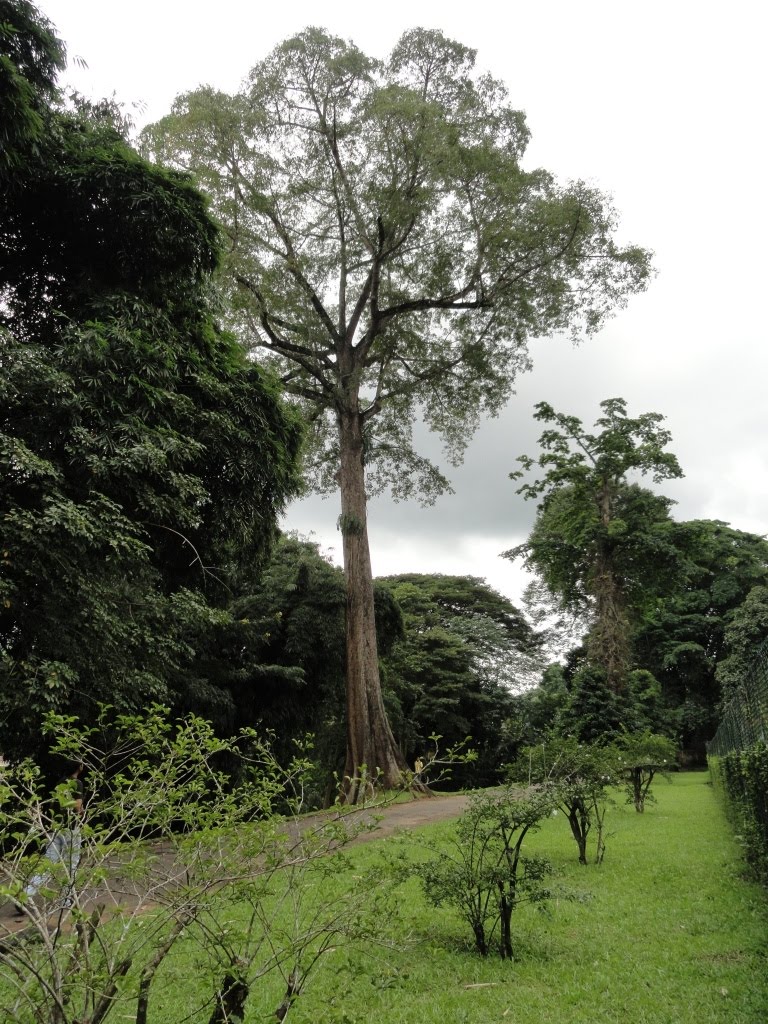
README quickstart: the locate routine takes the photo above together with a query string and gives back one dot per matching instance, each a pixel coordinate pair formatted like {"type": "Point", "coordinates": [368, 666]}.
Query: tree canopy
{"type": "Point", "coordinates": [464, 650]}
{"type": "Point", "coordinates": [380, 224]}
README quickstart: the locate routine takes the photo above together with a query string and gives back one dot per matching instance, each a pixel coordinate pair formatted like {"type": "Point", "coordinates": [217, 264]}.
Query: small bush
{"type": "Point", "coordinates": [578, 776]}
{"type": "Point", "coordinates": [641, 756]}
{"type": "Point", "coordinates": [483, 873]}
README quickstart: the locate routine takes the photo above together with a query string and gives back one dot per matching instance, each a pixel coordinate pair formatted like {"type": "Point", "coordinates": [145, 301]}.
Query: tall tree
{"type": "Point", "coordinates": [139, 447]}
{"type": "Point", "coordinates": [600, 541]}
{"type": "Point", "coordinates": [390, 252]}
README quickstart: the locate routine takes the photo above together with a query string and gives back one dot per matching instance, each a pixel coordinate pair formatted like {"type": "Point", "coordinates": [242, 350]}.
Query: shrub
{"type": "Point", "coordinates": [641, 756]}
{"type": "Point", "coordinates": [173, 847]}
{"type": "Point", "coordinates": [483, 873]}
{"type": "Point", "coordinates": [577, 775]}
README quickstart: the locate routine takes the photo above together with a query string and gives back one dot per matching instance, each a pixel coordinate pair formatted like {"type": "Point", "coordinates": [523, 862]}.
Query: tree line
{"type": "Point", "coordinates": [174, 368]}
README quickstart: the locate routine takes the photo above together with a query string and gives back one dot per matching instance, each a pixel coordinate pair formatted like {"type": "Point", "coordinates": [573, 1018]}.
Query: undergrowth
{"type": "Point", "coordinates": [668, 930]}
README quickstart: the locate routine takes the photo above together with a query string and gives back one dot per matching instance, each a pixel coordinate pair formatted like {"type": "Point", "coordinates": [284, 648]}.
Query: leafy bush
{"type": "Point", "coordinates": [483, 873]}
{"type": "Point", "coordinates": [577, 776]}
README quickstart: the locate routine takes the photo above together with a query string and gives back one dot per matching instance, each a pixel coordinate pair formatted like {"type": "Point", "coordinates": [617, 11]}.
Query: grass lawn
{"type": "Point", "coordinates": [666, 931]}
{"type": "Point", "coordinates": [669, 932]}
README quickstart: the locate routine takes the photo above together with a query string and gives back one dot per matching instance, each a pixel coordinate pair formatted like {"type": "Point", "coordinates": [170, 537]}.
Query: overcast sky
{"type": "Point", "coordinates": [660, 104]}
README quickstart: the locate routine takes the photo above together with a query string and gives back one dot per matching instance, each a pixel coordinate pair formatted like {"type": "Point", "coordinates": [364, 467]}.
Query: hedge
{"type": "Point", "coordinates": [743, 778]}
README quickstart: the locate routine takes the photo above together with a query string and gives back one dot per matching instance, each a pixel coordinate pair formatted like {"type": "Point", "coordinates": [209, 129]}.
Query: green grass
{"type": "Point", "coordinates": [670, 933]}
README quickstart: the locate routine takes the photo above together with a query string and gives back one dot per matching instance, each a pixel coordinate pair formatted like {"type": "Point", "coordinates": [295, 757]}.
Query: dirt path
{"type": "Point", "coordinates": [386, 821]}
{"type": "Point", "coordinates": [414, 814]}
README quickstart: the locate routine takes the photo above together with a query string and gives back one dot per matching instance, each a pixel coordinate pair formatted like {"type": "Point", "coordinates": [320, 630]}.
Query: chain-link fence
{"type": "Point", "coordinates": [745, 718]}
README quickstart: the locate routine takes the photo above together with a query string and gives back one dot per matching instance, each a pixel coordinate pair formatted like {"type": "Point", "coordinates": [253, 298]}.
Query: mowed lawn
{"type": "Point", "coordinates": [666, 931]}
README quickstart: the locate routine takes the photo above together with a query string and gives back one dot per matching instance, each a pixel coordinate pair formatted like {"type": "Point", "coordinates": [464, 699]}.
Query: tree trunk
{"type": "Point", "coordinates": [598, 811]}
{"type": "Point", "coordinates": [230, 999]}
{"type": "Point", "coordinates": [372, 753]}
{"type": "Point", "coordinates": [149, 970]}
{"type": "Point", "coordinates": [577, 819]}
{"type": "Point", "coordinates": [292, 992]}
{"type": "Point", "coordinates": [637, 785]}
{"type": "Point", "coordinates": [480, 940]}
{"type": "Point", "coordinates": [608, 641]}
{"type": "Point", "coordinates": [642, 782]}
{"type": "Point", "coordinates": [506, 905]}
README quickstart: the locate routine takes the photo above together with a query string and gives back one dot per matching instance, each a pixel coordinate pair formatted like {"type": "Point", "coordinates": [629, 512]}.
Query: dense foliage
{"type": "Point", "coordinates": [142, 453]}
{"type": "Point", "coordinates": [276, 659]}
{"type": "Point", "coordinates": [465, 648]}
{"type": "Point", "coordinates": [743, 775]}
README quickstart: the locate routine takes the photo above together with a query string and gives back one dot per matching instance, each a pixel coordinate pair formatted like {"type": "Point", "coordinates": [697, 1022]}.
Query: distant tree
{"type": "Point", "coordinates": [574, 701]}
{"type": "Point", "coordinates": [464, 649]}
{"type": "Point", "coordinates": [534, 710]}
{"type": "Point", "coordinates": [745, 637]}
{"type": "Point", "coordinates": [593, 711]}
{"type": "Point", "coordinates": [642, 756]}
{"type": "Point", "coordinates": [648, 708]}
{"type": "Point", "coordinates": [389, 252]}
{"type": "Point", "coordinates": [683, 636]}
{"type": "Point", "coordinates": [141, 452]}
{"type": "Point", "coordinates": [600, 541]}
